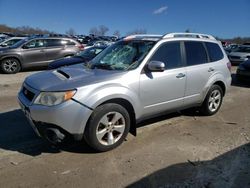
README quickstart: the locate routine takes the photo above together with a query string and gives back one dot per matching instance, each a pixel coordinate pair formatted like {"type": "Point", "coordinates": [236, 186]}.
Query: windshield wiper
{"type": "Point", "coordinates": [102, 66]}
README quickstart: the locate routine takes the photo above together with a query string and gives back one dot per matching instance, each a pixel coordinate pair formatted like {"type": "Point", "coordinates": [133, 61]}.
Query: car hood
{"type": "Point", "coordinates": [240, 54]}
{"type": "Point", "coordinates": [66, 61]}
{"type": "Point", "coordinates": [69, 78]}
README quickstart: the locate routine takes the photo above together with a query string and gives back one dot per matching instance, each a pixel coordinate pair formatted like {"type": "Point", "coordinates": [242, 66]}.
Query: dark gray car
{"type": "Point", "coordinates": [36, 52]}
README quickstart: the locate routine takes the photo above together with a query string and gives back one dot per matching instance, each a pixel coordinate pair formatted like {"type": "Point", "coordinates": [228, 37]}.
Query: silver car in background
{"type": "Point", "coordinates": [136, 78]}
{"type": "Point", "coordinates": [240, 54]}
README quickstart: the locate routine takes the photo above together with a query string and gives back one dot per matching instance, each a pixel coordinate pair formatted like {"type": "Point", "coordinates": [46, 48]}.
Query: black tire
{"type": "Point", "coordinates": [10, 66]}
{"type": "Point", "coordinates": [211, 105]}
{"type": "Point", "coordinates": [107, 112]}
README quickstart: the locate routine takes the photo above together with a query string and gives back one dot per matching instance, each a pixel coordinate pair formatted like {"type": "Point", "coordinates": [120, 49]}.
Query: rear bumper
{"type": "Point", "coordinates": [69, 116]}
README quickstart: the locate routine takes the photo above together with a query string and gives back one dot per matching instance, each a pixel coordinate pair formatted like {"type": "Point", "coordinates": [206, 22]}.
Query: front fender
{"type": "Point", "coordinates": [11, 56]}
{"type": "Point", "coordinates": [94, 97]}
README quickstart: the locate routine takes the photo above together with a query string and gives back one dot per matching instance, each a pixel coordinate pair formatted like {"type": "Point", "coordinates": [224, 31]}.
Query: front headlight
{"type": "Point", "coordinates": [54, 98]}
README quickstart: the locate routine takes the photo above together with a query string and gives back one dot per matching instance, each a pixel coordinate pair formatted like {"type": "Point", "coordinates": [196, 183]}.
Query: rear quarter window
{"type": "Point", "coordinates": [214, 51]}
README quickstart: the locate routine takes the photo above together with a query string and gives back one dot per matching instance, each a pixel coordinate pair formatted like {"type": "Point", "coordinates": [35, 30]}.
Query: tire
{"type": "Point", "coordinates": [101, 133]}
{"type": "Point", "coordinates": [213, 101]}
{"type": "Point", "coordinates": [10, 66]}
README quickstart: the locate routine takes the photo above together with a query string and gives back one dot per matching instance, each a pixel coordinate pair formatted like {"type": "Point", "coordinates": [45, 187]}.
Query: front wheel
{"type": "Point", "coordinates": [213, 101]}
{"type": "Point", "coordinates": [10, 66]}
{"type": "Point", "coordinates": [107, 127]}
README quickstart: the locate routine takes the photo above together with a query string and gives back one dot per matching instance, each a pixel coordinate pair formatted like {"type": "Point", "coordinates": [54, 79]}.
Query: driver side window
{"type": "Point", "coordinates": [170, 54]}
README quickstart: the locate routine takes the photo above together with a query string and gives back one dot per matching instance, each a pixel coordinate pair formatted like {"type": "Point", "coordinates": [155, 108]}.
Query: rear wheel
{"type": "Point", "coordinates": [213, 101]}
{"type": "Point", "coordinates": [108, 126]}
{"type": "Point", "coordinates": [10, 66]}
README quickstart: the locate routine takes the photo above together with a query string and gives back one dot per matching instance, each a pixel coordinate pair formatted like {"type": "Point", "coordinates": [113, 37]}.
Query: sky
{"type": "Point", "coordinates": [221, 18]}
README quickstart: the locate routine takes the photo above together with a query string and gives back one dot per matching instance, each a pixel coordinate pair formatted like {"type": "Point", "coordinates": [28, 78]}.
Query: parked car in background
{"type": "Point", "coordinates": [36, 52]}
{"type": "Point", "coordinates": [230, 48]}
{"type": "Point", "coordinates": [243, 71]}
{"type": "Point", "coordinates": [98, 43]}
{"type": "Point", "coordinates": [10, 41]}
{"type": "Point", "coordinates": [81, 57]}
{"type": "Point", "coordinates": [240, 54]}
{"type": "Point", "coordinates": [134, 79]}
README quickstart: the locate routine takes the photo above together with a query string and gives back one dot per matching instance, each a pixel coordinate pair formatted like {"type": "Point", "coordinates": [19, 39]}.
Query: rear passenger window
{"type": "Point", "coordinates": [195, 53]}
{"type": "Point", "coordinates": [54, 42]}
{"type": "Point", "coordinates": [214, 51]}
{"type": "Point", "coordinates": [170, 54]}
{"type": "Point", "coordinates": [68, 42]}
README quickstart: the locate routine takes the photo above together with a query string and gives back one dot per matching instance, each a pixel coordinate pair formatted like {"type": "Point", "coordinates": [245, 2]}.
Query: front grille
{"type": "Point", "coordinates": [28, 94]}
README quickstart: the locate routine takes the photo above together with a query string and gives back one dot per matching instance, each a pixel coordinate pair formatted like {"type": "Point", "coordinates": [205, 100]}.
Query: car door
{"type": "Point", "coordinates": [162, 91]}
{"type": "Point", "coordinates": [198, 71]}
{"type": "Point", "coordinates": [55, 49]}
{"type": "Point", "coordinates": [33, 53]}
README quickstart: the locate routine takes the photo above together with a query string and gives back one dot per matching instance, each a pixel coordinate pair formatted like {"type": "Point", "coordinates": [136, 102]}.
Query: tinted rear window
{"type": "Point", "coordinates": [214, 51]}
{"type": "Point", "coordinates": [195, 53]}
{"type": "Point", "coordinates": [54, 42]}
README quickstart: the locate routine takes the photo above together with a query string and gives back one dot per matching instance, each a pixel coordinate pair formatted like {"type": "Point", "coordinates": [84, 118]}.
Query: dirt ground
{"type": "Point", "coordinates": [176, 150]}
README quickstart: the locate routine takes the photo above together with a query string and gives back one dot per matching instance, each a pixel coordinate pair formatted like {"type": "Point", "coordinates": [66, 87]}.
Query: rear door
{"type": "Point", "coordinates": [33, 53]}
{"type": "Point", "coordinates": [162, 91]}
{"type": "Point", "coordinates": [55, 49]}
{"type": "Point", "coordinates": [198, 71]}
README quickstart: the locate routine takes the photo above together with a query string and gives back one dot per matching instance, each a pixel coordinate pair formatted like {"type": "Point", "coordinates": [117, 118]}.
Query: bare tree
{"type": "Point", "coordinates": [100, 31]}
{"type": "Point", "coordinates": [94, 31]}
{"type": "Point", "coordinates": [71, 32]}
{"type": "Point", "coordinates": [103, 30]}
{"type": "Point", "coordinates": [137, 31]}
{"type": "Point", "coordinates": [117, 33]}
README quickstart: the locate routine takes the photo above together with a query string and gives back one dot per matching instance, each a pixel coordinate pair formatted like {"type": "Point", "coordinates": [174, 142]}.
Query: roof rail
{"type": "Point", "coordinates": [191, 35]}
{"type": "Point", "coordinates": [143, 35]}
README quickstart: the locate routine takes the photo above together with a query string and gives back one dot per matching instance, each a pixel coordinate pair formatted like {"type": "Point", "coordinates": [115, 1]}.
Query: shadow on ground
{"type": "Point", "coordinates": [17, 135]}
{"type": "Point", "coordinates": [231, 169]}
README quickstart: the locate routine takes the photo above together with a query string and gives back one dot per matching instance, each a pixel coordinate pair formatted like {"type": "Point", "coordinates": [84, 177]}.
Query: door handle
{"type": "Point", "coordinates": [42, 50]}
{"type": "Point", "coordinates": [180, 75]}
{"type": "Point", "coordinates": [211, 69]}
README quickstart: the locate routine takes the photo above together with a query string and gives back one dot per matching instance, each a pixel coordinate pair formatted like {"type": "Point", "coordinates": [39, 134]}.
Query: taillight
{"type": "Point", "coordinates": [229, 66]}
{"type": "Point", "coordinates": [81, 47]}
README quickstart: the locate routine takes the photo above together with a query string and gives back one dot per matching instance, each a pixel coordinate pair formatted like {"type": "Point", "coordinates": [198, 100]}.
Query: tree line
{"type": "Point", "coordinates": [99, 31]}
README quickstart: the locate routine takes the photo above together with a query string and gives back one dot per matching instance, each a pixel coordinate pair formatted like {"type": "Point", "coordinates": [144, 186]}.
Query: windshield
{"type": "Point", "coordinates": [123, 55]}
{"type": "Point", "coordinates": [21, 42]}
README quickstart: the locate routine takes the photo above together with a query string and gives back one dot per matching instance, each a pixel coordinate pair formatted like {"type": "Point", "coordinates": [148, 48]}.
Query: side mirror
{"type": "Point", "coordinates": [25, 47]}
{"type": "Point", "coordinates": [156, 66]}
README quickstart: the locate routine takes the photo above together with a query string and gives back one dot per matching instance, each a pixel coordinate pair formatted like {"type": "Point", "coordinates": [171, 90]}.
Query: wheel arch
{"type": "Point", "coordinates": [12, 57]}
{"type": "Point", "coordinates": [222, 85]}
{"type": "Point", "coordinates": [130, 109]}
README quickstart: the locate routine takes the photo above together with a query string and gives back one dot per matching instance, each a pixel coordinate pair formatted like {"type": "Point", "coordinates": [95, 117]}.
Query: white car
{"type": "Point", "coordinates": [241, 54]}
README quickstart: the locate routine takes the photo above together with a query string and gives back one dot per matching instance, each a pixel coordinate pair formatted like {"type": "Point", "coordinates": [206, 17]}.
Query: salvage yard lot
{"type": "Point", "coordinates": [176, 150]}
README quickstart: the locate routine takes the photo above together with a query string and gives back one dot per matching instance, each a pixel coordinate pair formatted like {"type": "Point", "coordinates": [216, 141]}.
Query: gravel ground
{"type": "Point", "coordinates": [176, 150]}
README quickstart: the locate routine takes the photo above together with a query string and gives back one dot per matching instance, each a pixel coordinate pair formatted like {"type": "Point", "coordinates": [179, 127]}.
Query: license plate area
{"type": "Point", "coordinates": [26, 112]}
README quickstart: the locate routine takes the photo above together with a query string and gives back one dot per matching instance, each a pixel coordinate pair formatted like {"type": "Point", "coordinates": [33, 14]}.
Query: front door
{"type": "Point", "coordinates": [162, 91]}
{"type": "Point", "coordinates": [33, 53]}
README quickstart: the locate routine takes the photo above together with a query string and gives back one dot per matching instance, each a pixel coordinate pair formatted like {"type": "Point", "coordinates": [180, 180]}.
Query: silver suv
{"type": "Point", "coordinates": [134, 79]}
{"type": "Point", "coordinates": [36, 52]}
